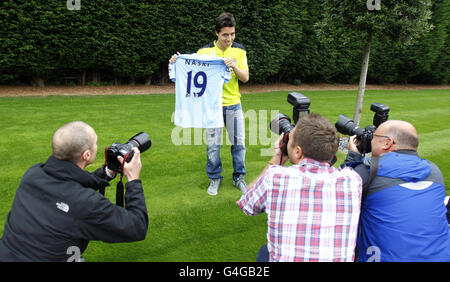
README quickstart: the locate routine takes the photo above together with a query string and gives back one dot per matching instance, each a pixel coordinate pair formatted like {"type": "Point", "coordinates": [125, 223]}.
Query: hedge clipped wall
{"type": "Point", "coordinates": [127, 42]}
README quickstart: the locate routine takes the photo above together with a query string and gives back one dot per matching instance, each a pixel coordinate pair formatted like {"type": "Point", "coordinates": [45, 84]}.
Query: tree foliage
{"type": "Point", "coordinates": [131, 41]}
{"type": "Point", "coordinates": [390, 22]}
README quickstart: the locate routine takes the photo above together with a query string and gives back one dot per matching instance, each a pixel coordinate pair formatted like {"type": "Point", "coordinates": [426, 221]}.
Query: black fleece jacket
{"type": "Point", "coordinates": [57, 207]}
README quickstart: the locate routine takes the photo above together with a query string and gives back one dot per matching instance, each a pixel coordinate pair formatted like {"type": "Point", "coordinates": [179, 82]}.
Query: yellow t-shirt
{"type": "Point", "coordinates": [230, 94]}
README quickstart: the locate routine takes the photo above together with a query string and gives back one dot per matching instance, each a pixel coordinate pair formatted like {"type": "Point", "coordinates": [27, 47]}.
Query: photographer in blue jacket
{"type": "Point", "coordinates": [403, 215]}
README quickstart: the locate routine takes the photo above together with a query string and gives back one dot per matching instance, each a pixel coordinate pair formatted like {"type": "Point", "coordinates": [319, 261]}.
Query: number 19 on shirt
{"type": "Point", "coordinates": [198, 83]}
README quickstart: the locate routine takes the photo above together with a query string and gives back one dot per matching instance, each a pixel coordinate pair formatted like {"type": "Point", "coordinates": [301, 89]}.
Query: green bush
{"type": "Point", "coordinates": [133, 40]}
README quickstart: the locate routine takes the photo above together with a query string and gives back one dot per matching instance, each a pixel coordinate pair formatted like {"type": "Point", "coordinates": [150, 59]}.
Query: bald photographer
{"type": "Point", "coordinates": [403, 216]}
{"type": "Point", "coordinates": [57, 208]}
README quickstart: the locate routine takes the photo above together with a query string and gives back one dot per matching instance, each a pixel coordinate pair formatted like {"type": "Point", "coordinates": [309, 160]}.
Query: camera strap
{"type": "Point", "coordinates": [373, 169]}
{"type": "Point", "coordinates": [102, 189]}
{"type": "Point", "coordinates": [283, 146]}
{"type": "Point", "coordinates": [119, 187]}
{"type": "Point", "coordinates": [119, 192]}
{"type": "Point", "coordinates": [333, 160]}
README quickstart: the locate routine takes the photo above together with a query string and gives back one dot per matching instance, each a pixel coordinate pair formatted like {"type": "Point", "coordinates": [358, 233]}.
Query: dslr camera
{"type": "Point", "coordinates": [347, 126]}
{"type": "Point", "coordinates": [140, 141]}
{"type": "Point", "coordinates": [282, 123]}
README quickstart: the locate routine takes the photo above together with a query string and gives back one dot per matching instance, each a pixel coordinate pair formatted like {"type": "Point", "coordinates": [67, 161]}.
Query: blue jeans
{"type": "Point", "coordinates": [263, 254]}
{"type": "Point", "coordinates": [233, 118]}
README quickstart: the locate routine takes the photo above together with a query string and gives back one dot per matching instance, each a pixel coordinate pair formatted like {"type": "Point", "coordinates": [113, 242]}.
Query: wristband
{"type": "Point", "coordinates": [107, 172]}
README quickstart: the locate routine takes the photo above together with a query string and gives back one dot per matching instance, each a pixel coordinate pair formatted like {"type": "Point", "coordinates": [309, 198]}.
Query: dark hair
{"type": "Point", "coordinates": [225, 20]}
{"type": "Point", "coordinates": [317, 137]}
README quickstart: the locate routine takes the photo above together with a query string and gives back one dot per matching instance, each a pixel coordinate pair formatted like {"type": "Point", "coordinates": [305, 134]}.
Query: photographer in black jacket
{"type": "Point", "coordinates": [57, 210]}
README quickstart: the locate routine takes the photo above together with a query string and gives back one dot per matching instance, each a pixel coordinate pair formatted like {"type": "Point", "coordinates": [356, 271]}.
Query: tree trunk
{"type": "Point", "coordinates": [148, 81]}
{"type": "Point", "coordinates": [95, 77]}
{"type": "Point", "coordinates": [38, 81]}
{"type": "Point", "coordinates": [164, 74]}
{"type": "Point", "coordinates": [362, 83]}
{"type": "Point", "coordinates": [83, 78]}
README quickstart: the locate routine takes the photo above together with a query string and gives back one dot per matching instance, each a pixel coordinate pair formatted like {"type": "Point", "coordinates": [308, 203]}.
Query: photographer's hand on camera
{"type": "Point", "coordinates": [352, 144]}
{"type": "Point", "coordinates": [133, 168]}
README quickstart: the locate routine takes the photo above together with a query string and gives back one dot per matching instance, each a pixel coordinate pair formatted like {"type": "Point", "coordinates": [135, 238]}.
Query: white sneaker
{"type": "Point", "coordinates": [213, 186]}
{"type": "Point", "coordinates": [240, 183]}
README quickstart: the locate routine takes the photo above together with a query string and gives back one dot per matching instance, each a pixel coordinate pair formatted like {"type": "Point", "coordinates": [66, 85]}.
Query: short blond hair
{"type": "Point", "coordinates": [71, 140]}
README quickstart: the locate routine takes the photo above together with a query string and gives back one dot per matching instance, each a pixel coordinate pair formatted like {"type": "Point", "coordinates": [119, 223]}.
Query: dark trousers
{"type": "Point", "coordinates": [263, 254]}
{"type": "Point", "coordinates": [448, 213]}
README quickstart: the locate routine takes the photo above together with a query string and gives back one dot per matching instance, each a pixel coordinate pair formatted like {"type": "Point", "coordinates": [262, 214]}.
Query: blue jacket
{"type": "Point", "coordinates": [403, 216]}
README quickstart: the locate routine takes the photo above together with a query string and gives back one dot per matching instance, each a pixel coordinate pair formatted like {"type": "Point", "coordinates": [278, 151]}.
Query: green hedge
{"type": "Point", "coordinates": [131, 41]}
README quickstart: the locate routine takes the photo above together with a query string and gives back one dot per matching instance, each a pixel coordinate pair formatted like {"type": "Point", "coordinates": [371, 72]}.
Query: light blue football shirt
{"type": "Point", "coordinates": [199, 83]}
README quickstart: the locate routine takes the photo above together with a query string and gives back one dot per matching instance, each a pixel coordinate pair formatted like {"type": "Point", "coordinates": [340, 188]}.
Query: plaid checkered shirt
{"type": "Point", "coordinates": [312, 210]}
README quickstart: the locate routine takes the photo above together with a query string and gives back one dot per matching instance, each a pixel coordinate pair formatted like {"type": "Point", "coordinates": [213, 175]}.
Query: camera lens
{"type": "Point", "coordinates": [345, 125]}
{"type": "Point", "coordinates": [141, 141]}
{"type": "Point", "coordinates": [281, 124]}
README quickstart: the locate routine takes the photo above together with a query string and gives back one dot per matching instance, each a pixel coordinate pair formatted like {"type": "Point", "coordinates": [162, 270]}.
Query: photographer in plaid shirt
{"type": "Point", "coordinates": [312, 208]}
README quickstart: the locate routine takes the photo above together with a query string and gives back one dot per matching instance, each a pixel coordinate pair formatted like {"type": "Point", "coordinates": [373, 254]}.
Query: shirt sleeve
{"type": "Point", "coordinates": [203, 51]}
{"type": "Point", "coordinates": [172, 72]}
{"type": "Point", "coordinates": [242, 61]}
{"type": "Point", "coordinates": [226, 75]}
{"type": "Point", "coordinates": [253, 202]}
{"type": "Point", "coordinates": [101, 220]}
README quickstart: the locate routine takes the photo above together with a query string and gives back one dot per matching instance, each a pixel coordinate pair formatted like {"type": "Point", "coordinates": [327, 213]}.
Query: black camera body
{"type": "Point", "coordinates": [140, 141]}
{"type": "Point", "coordinates": [347, 126]}
{"type": "Point", "coordinates": [282, 123]}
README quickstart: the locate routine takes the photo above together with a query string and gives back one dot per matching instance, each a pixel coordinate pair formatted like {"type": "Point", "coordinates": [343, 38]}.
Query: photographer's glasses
{"type": "Point", "coordinates": [384, 136]}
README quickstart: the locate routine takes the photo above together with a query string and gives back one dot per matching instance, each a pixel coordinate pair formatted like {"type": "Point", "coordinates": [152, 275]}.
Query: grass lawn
{"type": "Point", "coordinates": [186, 224]}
